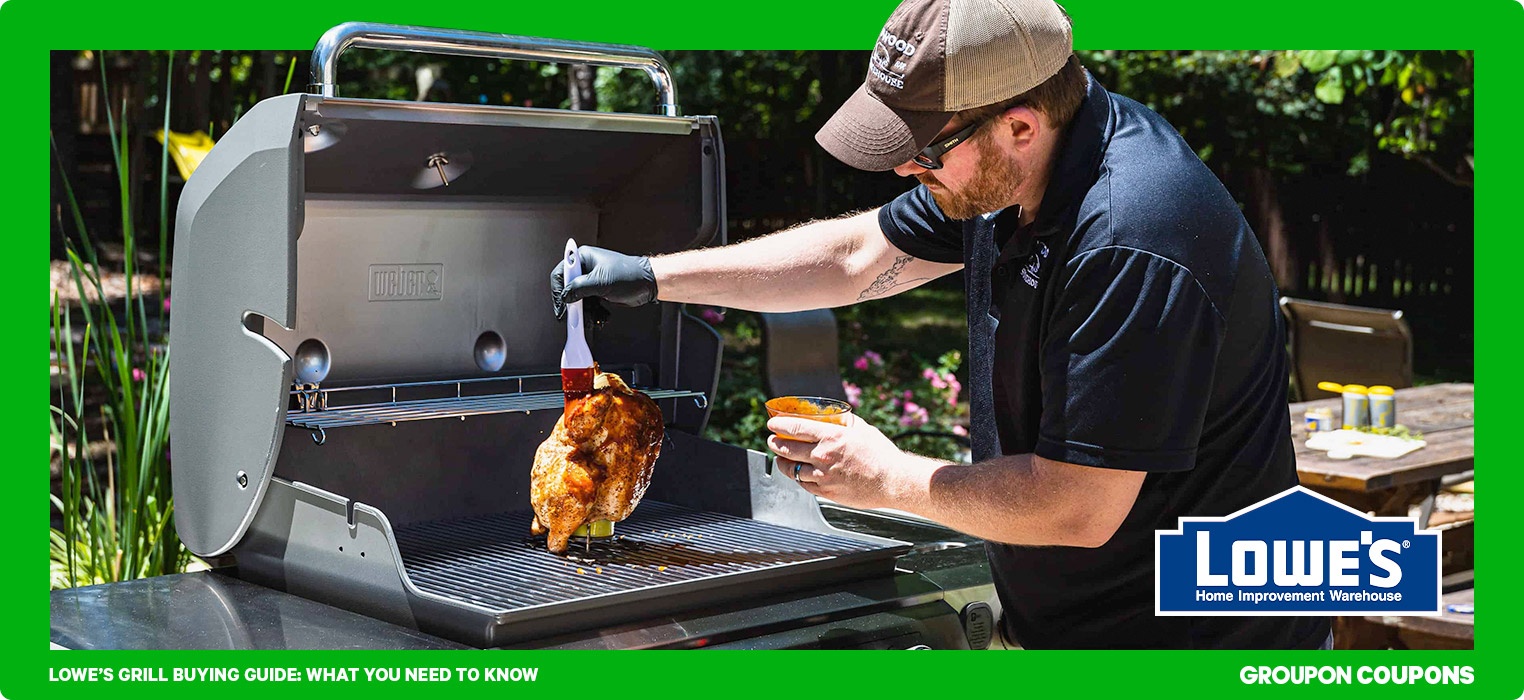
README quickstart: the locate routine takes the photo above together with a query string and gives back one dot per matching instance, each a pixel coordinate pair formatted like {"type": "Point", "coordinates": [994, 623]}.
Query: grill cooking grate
{"type": "Point", "coordinates": [493, 562]}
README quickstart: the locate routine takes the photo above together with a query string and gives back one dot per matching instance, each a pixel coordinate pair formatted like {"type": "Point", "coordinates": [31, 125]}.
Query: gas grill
{"type": "Point", "coordinates": [365, 362]}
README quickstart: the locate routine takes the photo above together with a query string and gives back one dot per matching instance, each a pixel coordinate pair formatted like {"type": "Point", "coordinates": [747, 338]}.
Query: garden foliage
{"type": "Point", "coordinates": [111, 377]}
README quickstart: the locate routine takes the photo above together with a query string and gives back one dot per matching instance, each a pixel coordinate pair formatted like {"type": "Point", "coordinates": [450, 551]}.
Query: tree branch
{"type": "Point", "coordinates": [1467, 183]}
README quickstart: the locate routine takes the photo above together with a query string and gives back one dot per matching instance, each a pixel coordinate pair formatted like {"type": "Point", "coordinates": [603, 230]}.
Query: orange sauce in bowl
{"type": "Point", "coordinates": [805, 406]}
{"type": "Point", "coordinates": [810, 408]}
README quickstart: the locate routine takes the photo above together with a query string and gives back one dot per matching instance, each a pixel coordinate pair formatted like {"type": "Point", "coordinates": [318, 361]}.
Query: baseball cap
{"type": "Point", "coordinates": [935, 58]}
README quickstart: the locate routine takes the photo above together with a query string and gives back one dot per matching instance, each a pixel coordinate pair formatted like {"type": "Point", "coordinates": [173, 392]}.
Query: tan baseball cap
{"type": "Point", "coordinates": [935, 58]}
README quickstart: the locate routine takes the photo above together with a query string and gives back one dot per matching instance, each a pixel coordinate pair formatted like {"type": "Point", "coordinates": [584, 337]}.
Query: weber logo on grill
{"type": "Point", "coordinates": [421, 282]}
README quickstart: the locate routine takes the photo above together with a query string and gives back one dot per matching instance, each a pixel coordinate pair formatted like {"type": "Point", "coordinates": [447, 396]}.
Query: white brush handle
{"type": "Point", "coordinates": [576, 354]}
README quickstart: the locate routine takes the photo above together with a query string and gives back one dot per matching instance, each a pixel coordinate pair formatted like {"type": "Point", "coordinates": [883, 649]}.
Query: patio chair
{"type": "Point", "coordinates": [1346, 345]}
{"type": "Point", "coordinates": [799, 355]}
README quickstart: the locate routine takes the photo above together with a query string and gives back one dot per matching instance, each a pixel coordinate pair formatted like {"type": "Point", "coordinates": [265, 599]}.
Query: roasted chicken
{"type": "Point", "coordinates": [597, 462]}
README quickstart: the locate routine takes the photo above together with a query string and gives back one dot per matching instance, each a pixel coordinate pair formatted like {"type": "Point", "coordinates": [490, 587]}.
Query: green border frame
{"type": "Point", "coordinates": [29, 28]}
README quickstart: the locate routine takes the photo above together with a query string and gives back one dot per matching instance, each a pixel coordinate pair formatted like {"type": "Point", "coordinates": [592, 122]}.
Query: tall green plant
{"type": "Point", "coordinates": [116, 516]}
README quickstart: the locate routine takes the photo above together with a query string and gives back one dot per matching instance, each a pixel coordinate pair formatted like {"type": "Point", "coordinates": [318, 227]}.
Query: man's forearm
{"type": "Point", "coordinates": [807, 267]}
{"type": "Point", "coordinates": [1017, 499]}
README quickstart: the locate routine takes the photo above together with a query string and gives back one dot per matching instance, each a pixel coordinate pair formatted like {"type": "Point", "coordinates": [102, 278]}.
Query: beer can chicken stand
{"type": "Point", "coordinates": [597, 462]}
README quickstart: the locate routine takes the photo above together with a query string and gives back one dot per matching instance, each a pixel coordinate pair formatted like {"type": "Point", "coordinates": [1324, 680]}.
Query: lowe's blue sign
{"type": "Point", "coordinates": [1297, 553]}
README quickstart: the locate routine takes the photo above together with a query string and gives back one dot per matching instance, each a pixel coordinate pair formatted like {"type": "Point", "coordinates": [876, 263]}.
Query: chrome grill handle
{"type": "Point", "coordinates": [455, 42]}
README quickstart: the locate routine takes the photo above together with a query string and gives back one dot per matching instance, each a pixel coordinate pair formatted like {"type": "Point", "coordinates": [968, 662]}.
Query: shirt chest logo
{"type": "Point", "coordinates": [1032, 272]}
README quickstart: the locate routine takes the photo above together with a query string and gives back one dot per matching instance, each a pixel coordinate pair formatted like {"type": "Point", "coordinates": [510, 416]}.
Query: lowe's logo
{"type": "Point", "coordinates": [1297, 553]}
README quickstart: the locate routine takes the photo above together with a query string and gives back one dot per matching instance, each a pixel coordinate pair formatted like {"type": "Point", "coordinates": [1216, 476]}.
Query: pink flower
{"type": "Point", "coordinates": [854, 394]}
{"type": "Point", "coordinates": [712, 316]}
{"type": "Point", "coordinates": [908, 395]}
{"type": "Point", "coordinates": [960, 430]}
{"type": "Point", "coordinates": [914, 416]}
{"type": "Point", "coordinates": [166, 304]}
{"type": "Point", "coordinates": [867, 359]}
{"type": "Point", "coordinates": [138, 375]}
{"type": "Point", "coordinates": [937, 382]}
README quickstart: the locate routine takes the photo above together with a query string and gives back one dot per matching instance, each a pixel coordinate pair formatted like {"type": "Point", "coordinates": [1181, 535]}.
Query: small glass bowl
{"type": "Point", "coordinates": [815, 408]}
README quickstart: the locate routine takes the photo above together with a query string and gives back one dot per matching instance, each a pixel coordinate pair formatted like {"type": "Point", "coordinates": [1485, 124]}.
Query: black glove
{"type": "Point", "coordinates": [626, 280]}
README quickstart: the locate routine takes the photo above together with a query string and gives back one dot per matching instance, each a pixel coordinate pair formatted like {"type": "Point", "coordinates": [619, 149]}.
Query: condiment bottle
{"type": "Point", "coordinates": [1383, 406]}
{"type": "Point", "coordinates": [1357, 405]}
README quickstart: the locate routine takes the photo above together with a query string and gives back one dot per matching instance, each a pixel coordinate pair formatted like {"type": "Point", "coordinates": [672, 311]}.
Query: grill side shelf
{"type": "Point", "coordinates": [319, 409]}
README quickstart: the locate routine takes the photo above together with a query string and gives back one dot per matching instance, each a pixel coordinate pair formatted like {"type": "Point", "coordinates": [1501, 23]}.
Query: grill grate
{"type": "Point", "coordinates": [492, 562]}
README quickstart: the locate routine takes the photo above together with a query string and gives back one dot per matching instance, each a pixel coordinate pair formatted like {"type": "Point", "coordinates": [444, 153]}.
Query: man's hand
{"type": "Point", "coordinates": [626, 280]}
{"type": "Point", "coordinates": [854, 465]}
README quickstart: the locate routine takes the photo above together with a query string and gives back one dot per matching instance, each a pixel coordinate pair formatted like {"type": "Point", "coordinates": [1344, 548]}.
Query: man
{"type": "Point", "coordinates": [1127, 359]}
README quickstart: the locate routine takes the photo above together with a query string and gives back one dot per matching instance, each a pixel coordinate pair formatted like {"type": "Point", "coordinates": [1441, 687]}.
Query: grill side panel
{"type": "Point", "coordinates": [302, 542]}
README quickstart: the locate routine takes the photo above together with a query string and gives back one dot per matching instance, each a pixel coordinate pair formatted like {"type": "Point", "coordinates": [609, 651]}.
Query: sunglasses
{"type": "Point", "coordinates": [930, 157]}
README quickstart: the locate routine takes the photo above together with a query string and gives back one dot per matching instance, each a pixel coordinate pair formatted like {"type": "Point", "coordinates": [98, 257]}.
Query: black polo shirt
{"type": "Point", "coordinates": [1134, 325]}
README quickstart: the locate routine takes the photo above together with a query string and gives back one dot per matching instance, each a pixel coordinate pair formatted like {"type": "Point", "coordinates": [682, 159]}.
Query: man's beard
{"type": "Point", "coordinates": [991, 188]}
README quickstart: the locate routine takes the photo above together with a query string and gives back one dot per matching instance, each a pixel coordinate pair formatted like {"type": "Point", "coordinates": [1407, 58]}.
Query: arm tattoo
{"type": "Point", "coordinates": [887, 281]}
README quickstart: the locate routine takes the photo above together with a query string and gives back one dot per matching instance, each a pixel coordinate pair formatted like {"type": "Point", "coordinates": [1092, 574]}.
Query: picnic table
{"type": "Point", "coordinates": [1455, 629]}
{"type": "Point", "coordinates": [1444, 413]}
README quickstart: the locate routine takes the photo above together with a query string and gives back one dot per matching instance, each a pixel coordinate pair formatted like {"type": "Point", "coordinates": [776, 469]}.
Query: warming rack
{"type": "Point", "coordinates": [318, 409]}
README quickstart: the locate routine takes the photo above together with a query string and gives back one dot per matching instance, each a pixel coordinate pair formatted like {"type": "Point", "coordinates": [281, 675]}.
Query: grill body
{"type": "Point", "coordinates": [364, 357]}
